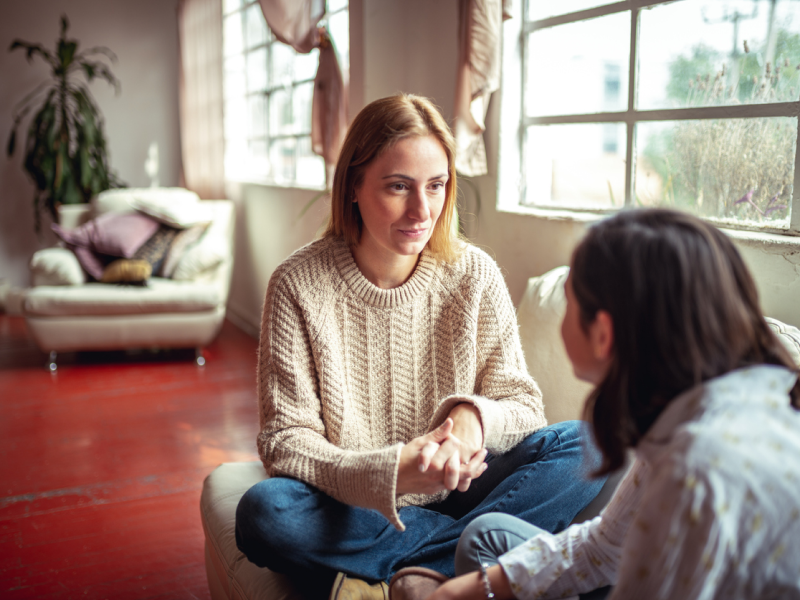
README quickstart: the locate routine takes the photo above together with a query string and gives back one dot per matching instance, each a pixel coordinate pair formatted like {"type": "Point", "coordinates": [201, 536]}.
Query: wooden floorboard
{"type": "Point", "coordinates": [102, 463]}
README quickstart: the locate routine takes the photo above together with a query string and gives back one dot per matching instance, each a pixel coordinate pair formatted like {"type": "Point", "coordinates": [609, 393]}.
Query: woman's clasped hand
{"type": "Point", "coordinates": [447, 458]}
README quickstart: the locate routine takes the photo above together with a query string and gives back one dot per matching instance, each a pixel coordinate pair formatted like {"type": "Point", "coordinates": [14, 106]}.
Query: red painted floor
{"type": "Point", "coordinates": [102, 463]}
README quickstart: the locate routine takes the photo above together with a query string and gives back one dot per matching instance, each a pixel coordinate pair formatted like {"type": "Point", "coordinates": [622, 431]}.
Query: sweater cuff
{"type": "Point", "coordinates": [491, 411]}
{"type": "Point", "coordinates": [369, 480]}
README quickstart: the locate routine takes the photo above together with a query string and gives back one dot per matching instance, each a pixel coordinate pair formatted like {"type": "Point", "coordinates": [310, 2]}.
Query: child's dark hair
{"type": "Point", "coordinates": [684, 310]}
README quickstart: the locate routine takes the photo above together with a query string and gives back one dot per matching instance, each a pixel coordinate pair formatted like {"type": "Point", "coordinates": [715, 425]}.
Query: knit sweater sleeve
{"type": "Point", "coordinates": [293, 440]}
{"type": "Point", "coordinates": [507, 397]}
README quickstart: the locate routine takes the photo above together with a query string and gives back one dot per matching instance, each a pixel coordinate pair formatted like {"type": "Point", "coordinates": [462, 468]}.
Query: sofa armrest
{"type": "Point", "coordinates": [789, 336]}
{"type": "Point", "coordinates": [539, 316]}
{"type": "Point", "coordinates": [56, 266]}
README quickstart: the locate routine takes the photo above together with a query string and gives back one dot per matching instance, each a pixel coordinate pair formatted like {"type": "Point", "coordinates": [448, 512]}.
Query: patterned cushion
{"type": "Point", "coordinates": [155, 249]}
{"type": "Point", "coordinates": [184, 240]}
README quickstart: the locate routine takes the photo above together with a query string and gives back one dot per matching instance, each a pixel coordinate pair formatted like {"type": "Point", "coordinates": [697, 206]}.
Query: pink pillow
{"type": "Point", "coordinates": [113, 234]}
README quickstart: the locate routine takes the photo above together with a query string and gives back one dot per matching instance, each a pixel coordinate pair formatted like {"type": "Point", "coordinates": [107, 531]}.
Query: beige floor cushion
{"type": "Point", "coordinates": [230, 574]}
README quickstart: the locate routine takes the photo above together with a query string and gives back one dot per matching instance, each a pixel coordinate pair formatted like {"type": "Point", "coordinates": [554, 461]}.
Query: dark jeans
{"type": "Point", "coordinates": [293, 528]}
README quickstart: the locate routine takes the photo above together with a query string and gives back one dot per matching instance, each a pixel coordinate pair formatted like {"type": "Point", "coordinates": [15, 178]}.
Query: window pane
{"type": "Point", "coordinates": [234, 79]}
{"type": "Point", "coordinates": [231, 5]}
{"type": "Point", "coordinates": [258, 165]}
{"type": "Point", "coordinates": [740, 169]}
{"type": "Point", "coordinates": [236, 157]}
{"type": "Point", "coordinates": [334, 5]}
{"type": "Point", "coordinates": [232, 35]}
{"type": "Point", "coordinates": [305, 65]}
{"type": "Point", "coordinates": [281, 117]}
{"type": "Point", "coordinates": [256, 28]}
{"type": "Point", "coordinates": [579, 67]}
{"type": "Point", "coordinates": [310, 167]}
{"type": "Point", "coordinates": [257, 109]}
{"type": "Point", "coordinates": [283, 158]}
{"type": "Point", "coordinates": [572, 165]}
{"type": "Point", "coordinates": [257, 70]}
{"type": "Point", "coordinates": [235, 119]}
{"type": "Point", "coordinates": [708, 64]}
{"type": "Point", "coordinates": [541, 9]}
{"type": "Point", "coordinates": [339, 27]}
{"type": "Point", "coordinates": [283, 62]}
{"type": "Point", "coordinates": [303, 95]}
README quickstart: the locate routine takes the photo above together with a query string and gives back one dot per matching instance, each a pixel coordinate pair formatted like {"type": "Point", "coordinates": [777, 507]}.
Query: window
{"type": "Point", "coordinates": [268, 92]}
{"type": "Point", "coordinates": [690, 104]}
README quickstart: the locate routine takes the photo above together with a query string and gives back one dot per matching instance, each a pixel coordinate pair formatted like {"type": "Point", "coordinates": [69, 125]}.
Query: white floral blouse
{"type": "Point", "coordinates": [710, 508]}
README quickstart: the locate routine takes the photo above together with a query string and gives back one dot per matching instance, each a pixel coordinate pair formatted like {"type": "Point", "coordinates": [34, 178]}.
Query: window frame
{"type": "Point", "coordinates": [270, 89]}
{"type": "Point", "coordinates": [513, 119]}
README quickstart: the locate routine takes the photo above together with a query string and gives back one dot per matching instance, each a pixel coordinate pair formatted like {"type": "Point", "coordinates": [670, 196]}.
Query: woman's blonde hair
{"type": "Point", "coordinates": [376, 128]}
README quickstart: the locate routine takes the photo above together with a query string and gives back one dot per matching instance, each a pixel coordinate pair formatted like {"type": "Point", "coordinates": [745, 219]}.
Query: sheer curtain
{"type": "Point", "coordinates": [201, 98]}
{"type": "Point", "coordinates": [480, 24]}
{"type": "Point", "coordinates": [295, 22]}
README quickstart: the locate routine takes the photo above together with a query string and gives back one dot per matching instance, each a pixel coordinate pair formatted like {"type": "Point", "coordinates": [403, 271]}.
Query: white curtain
{"type": "Point", "coordinates": [295, 22]}
{"type": "Point", "coordinates": [480, 27]}
{"type": "Point", "coordinates": [201, 97]}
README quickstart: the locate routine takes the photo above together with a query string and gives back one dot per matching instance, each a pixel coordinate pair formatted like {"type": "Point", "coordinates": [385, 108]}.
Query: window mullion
{"type": "Point", "coordinates": [523, 131]}
{"type": "Point", "coordinates": [744, 111]}
{"type": "Point", "coordinates": [794, 215]}
{"type": "Point", "coordinates": [589, 13]}
{"type": "Point", "coordinates": [630, 122]}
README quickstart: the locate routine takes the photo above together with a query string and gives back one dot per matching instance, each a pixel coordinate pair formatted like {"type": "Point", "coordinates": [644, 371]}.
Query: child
{"type": "Point", "coordinates": [663, 316]}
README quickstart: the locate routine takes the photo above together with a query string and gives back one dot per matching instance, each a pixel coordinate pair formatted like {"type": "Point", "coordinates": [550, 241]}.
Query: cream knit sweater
{"type": "Point", "coordinates": [349, 372]}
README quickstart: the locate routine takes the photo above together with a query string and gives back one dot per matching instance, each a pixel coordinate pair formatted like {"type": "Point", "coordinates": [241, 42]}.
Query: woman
{"type": "Point", "coordinates": [663, 316]}
{"type": "Point", "coordinates": [394, 400]}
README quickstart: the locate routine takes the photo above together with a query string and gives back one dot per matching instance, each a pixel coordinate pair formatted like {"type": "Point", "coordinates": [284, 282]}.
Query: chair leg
{"type": "Point", "coordinates": [198, 357]}
{"type": "Point", "coordinates": [51, 364]}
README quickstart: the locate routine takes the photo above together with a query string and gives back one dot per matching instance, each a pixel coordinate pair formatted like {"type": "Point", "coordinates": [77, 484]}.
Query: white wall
{"type": "Point", "coordinates": [144, 36]}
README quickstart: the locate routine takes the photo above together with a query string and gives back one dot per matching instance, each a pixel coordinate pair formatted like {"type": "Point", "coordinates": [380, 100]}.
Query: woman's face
{"type": "Point", "coordinates": [590, 350]}
{"type": "Point", "coordinates": [401, 197]}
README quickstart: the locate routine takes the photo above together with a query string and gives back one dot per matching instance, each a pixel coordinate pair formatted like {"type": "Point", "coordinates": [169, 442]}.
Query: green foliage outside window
{"type": "Point", "coordinates": [730, 168]}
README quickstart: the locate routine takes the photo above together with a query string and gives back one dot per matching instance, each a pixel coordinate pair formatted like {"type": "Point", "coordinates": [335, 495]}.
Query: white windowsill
{"type": "Point", "coordinates": [766, 240]}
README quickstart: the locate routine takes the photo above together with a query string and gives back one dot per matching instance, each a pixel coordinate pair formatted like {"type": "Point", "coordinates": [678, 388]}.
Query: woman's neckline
{"type": "Point", "coordinates": [372, 294]}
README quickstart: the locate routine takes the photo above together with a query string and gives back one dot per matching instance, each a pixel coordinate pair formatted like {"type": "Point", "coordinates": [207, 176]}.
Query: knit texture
{"type": "Point", "coordinates": [349, 372]}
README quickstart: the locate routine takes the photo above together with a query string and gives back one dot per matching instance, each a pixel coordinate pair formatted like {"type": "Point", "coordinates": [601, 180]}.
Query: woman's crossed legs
{"type": "Point", "coordinates": [293, 528]}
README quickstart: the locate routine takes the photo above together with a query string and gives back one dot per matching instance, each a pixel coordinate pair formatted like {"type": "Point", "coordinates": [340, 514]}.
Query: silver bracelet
{"type": "Point", "coordinates": [487, 587]}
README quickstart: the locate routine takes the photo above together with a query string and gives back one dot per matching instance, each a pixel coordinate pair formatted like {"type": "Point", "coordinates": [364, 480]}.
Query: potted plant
{"type": "Point", "coordinates": [65, 152]}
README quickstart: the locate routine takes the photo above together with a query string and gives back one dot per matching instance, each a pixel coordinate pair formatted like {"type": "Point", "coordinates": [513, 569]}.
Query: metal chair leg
{"type": "Point", "coordinates": [51, 364]}
{"type": "Point", "coordinates": [198, 357]}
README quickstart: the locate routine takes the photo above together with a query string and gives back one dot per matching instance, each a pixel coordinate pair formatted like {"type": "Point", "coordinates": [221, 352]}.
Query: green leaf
{"type": "Point", "coordinates": [97, 50]}
{"type": "Point", "coordinates": [66, 52]}
{"type": "Point", "coordinates": [85, 169]}
{"type": "Point", "coordinates": [89, 70]}
{"type": "Point", "coordinates": [33, 49]}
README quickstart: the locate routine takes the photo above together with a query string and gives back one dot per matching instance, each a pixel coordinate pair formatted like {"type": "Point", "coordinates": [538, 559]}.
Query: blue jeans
{"type": "Point", "coordinates": [293, 528]}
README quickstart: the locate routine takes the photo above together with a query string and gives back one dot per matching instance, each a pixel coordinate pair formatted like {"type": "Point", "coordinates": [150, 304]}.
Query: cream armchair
{"type": "Point", "coordinates": [64, 312]}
